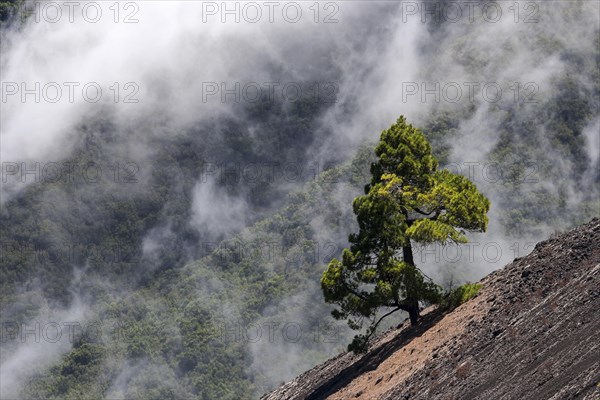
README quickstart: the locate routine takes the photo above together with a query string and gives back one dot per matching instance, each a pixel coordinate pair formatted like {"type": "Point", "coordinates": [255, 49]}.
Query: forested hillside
{"type": "Point", "coordinates": [194, 257]}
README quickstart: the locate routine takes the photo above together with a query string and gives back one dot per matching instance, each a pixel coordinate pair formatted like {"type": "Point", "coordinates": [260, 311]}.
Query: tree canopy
{"type": "Point", "coordinates": [408, 199]}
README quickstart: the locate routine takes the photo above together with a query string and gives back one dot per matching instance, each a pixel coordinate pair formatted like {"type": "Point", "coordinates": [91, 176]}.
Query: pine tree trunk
{"type": "Point", "coordinates": [407, 254]}
{"type": "Point", "coordinates": [413, 308]}
{"type": "Point", "coordinates": [413, 313]}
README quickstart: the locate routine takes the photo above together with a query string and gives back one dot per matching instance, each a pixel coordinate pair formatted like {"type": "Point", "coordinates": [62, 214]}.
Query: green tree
{"type": "Point", "coordinates": [408, 199]}
{"type": "Point", "coordinates": [8, 9]}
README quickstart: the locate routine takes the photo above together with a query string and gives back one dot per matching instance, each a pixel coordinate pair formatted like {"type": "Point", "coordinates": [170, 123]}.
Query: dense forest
{"type": "Point", "coordinates": [193, 267]}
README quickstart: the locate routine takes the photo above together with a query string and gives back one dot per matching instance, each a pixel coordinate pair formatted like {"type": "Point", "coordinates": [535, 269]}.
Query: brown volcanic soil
{"type": "Point", "coordinates": [533, 332]}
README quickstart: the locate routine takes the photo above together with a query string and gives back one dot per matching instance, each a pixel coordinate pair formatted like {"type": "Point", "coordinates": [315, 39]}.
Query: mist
{"type": "Point", "coordinates": [34, 345]}
{"type": "Point", "coordinates": [176, 68]}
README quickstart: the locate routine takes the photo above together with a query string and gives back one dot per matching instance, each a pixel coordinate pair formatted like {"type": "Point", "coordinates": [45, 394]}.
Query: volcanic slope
{"type": "Point", "coordinates": [532, 332]}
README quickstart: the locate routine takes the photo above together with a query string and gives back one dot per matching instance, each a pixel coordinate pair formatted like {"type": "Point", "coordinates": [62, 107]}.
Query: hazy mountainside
{"type": "Point", "coordinates": [209, 219]}
{"type": "Point", "coordinates": [184, 322]}
{"type": "Point", "coordinates": [113, 223]}
{"type": "Point", "coordinates": [532, 332]}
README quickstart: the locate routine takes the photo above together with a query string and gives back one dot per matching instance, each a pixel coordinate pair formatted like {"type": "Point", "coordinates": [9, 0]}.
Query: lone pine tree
{"type": "Point", "coordinates": [408, 199]}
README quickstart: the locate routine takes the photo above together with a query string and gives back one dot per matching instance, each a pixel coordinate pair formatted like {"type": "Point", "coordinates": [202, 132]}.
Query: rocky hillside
{"type": "Point", "coordinates": [532, 332]}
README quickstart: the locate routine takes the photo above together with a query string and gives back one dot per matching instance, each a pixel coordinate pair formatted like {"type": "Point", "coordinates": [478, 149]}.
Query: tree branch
{"type": "Point", "coordinates": [423, 273]}
{"type": "Point", "coordinates": [423, 212]}
{"type": "Point", "coordinates": [354, 292]}
{"type": "Point", "coordinates": [374, 327]}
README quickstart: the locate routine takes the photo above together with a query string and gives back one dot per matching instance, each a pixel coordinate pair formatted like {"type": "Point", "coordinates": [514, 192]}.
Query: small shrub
{"type": "Point", "coordinates": [460, 295]}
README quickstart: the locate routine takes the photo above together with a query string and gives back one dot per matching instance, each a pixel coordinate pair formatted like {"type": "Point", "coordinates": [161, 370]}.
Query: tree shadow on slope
{"type": "Point", "coordinates": [377, 354]}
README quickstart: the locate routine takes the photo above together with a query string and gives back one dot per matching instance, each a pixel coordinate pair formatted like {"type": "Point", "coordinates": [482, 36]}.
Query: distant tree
{"type": "Point", "coordinates": [408, 199]}
{"type": "Point", "coordinates": [8, 9]}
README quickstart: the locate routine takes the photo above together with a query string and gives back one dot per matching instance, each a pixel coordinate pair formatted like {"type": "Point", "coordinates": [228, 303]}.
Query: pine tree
{"type": "Point", "coordinates": [408, 200]}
